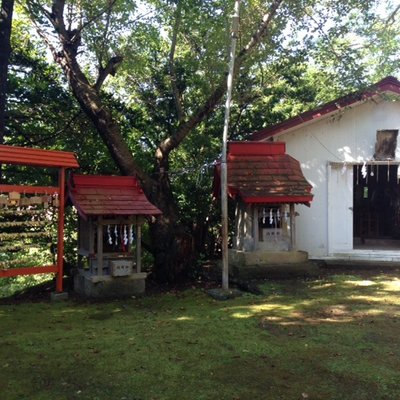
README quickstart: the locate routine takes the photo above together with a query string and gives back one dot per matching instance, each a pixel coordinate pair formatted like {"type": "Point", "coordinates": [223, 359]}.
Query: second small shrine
{"type": "Point", "coordinates": [266, 184]}
{"type": "Point", "coordinates": [112, 211]}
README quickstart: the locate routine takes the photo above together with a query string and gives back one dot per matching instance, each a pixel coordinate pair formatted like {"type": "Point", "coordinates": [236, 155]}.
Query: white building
{"type": "Point", "coordinates": [348, 152]}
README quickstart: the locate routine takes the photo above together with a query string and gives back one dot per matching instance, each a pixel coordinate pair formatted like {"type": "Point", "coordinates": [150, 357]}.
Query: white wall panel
{"type": "Point", "coordinates": [349, 136]}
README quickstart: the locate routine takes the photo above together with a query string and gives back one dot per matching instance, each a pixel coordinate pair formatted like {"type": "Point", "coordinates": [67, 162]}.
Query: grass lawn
{"type": "Point", "coordinates": [337, 337]}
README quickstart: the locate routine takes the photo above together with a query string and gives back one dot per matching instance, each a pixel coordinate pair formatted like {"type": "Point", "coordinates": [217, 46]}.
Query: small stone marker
{"type": "Point", "coordinates": [223, 294]}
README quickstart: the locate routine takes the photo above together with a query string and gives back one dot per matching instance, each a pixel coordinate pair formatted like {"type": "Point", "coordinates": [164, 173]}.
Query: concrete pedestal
{"type": "Point", "coordinates": [270, 264]}
{"type": "Point", "coordinates": [59, 296]}
{"type": "Point", "coordinates": [107, 286]}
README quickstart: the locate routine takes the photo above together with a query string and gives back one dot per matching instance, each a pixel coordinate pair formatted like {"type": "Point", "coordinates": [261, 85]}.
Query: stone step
{"type": "Point", "coordinates": [276, 271]}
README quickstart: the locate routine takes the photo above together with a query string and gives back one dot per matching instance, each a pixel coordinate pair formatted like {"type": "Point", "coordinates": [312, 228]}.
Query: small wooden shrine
{"type": "Point", "coordinates": [265, 183]}
{"type": "Point", "coordinates": [27, 214]}
{"type": "Point", "coordinates": [112, 210]}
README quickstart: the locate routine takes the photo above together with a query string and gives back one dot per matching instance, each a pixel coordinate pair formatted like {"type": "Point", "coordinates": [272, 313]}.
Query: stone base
{"type": "Point", "coordinates": [58, 296]}
{"type": "Point", "coordinates": [281, 271]}
{"type": "Point", "coordinates": [260, 257]}
{"type": "Point", "coordinates": [107, 286]}
{"type": "Point", "coordinates": [271, 264]}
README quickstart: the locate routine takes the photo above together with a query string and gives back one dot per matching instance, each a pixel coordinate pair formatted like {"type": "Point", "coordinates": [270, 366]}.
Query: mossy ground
{"type": "Point", "coordinates": [335, 337]}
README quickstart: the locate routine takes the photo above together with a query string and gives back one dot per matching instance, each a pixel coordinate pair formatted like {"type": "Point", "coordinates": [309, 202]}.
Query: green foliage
{"type": "Point", "coordinates": [10, 286]}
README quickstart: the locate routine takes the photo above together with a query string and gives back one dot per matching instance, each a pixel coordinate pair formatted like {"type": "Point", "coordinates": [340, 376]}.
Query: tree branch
{"type": "Point", "coordinates": [261, 32]}
{"type": "Point", "coordinates": [185, 127]}
{"type": "Point", "coordinates": [321, 30]}
{"type": "Point", "coordinates": [89, 99]}
{"type": "Point", "coordinates": [31, 12]}
{"type": "Point", "coordinates": [98, 15]}
{"type": "Point", "coordinates": [172, 72]}
{"type": "Point", "coordinates": [110, 69]}
{"type": "Point", "coordinates": [57, 17]}
{"type": "Point", "coordinates": [47, 41]}
{"type": "Point", "coordinates": [392, 17]}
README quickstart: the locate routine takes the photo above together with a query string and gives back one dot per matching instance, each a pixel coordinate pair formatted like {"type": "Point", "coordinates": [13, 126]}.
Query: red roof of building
{"type": "Point", "coordinates": [387, 85]}
{"type": "Point", "coordinates": [109, 195]}
{"type": "Point", "coordinates": [262, 173]}
{"type": "Point", "coordinates": [37, 157]}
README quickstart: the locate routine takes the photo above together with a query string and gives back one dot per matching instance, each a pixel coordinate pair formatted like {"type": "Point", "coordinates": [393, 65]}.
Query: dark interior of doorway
{"type": "Point", "coordinates": [376, 207]}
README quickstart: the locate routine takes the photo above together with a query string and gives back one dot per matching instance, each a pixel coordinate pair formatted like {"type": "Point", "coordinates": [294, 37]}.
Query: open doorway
{"type": "Point", "coordinates": [376, 206]}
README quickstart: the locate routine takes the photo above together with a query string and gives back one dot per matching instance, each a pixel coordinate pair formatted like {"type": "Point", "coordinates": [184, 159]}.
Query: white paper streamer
{"type": "Point", "coordinates": [264, 215]}
{"type": "Point", "coordinates": [116, 234]}
{"type": "Point", "coordinates": [364, 171]}
{"type": "Point", "coordinates": [109, 234]}
{"type": "Point", "coordinates": [125, 236]}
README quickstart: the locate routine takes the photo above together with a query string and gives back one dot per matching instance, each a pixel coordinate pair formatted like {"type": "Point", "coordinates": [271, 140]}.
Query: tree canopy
{"type": "Point", "coordinates": [138, 87]}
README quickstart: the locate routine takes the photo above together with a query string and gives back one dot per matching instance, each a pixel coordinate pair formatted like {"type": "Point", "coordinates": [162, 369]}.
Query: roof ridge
{"type": "Point", "coordinates": [389, 83]}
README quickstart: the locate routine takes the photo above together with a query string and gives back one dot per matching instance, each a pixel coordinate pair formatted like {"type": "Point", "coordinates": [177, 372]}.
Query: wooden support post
{"type": "Point", "coordinates": [138, 247]}
{"type": "Point", "coordinates": [91, 226]}
{"type": "Point", "coordinates": [60, 231]}
{"type": "Point", "coordinates": [292, 228]}
{"type": "Point", "coordinates": [99, 246]}
{"type": "Point", "coordinates": [256, 234]}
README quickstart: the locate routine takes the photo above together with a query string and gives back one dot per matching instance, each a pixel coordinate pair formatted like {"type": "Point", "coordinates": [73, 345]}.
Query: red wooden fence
{"type": "Point", "coordinates": [45, 159]}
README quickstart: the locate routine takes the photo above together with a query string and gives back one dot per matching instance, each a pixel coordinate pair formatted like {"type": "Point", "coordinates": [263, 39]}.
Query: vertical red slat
{"type": "Point", "coordinates": [60, 231]}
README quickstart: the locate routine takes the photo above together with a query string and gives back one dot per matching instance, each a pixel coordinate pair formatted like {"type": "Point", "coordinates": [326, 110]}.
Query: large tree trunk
{"type": "Point", "coordinates": [172, 243]}
{"type": "Point", "coordinates": [7, 7]}
{"type": "Point", "coordinates": [6, 13]}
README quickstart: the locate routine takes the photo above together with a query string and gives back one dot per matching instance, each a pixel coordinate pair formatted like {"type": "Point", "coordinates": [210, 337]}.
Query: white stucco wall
{"type": "Point", "coordinates": [348, 136]}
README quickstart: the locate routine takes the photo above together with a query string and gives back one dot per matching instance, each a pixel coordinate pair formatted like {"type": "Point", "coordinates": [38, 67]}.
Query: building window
{"type": "Point", "coordinates": [386, 143]}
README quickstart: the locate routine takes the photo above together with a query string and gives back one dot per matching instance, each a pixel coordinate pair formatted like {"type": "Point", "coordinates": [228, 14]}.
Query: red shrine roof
{"type": "Point", "coordinates": [261, 172]}
{"type": "Point", "coordinates": [388, 85]}
{"type": "Point", "coordinates": [37, 157]}
{"type": "Point", "coordinates": [109, 195]}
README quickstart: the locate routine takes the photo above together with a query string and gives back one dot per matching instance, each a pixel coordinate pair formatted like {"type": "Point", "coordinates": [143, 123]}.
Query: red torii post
{"type": "Point", "coordinates": [45, 159]}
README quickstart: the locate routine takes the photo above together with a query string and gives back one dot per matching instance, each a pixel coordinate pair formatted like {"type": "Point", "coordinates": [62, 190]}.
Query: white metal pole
{"type": "Point", "coordinates": [224, 167]}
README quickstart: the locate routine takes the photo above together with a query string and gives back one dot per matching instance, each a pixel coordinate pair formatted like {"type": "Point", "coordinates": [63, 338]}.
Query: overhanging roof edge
{"type": "Point", "coordinates": [37, 157]}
